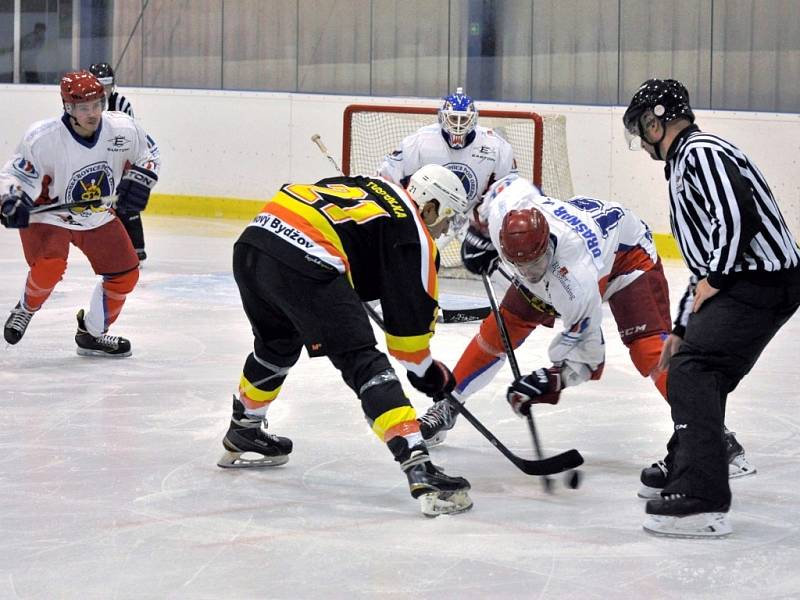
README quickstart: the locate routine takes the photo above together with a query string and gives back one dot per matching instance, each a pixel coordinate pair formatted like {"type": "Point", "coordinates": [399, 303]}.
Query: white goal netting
{"type": "Point", "coordinates": [539, 143]}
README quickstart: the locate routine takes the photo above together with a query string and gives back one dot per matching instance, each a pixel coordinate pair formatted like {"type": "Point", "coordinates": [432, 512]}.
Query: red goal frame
{"type": "Point", "coordinates": [538, 141]}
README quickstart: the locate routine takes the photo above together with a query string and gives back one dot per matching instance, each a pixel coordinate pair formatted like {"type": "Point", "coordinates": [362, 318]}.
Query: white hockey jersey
{"type": "Point", "coordinates": [587, 234]}
{"type": "Point", "coordinates": [488, 158]}
{"type": "Point", "coordinates": [53, 164]}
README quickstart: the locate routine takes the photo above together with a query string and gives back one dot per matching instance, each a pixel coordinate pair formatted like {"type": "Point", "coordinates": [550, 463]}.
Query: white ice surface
{"type": "Point", "coordinates": [109, 486]}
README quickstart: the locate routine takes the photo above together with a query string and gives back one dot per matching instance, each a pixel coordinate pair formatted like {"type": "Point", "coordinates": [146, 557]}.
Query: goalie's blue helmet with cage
{"type": "Point", "coordinates": [458, 118]}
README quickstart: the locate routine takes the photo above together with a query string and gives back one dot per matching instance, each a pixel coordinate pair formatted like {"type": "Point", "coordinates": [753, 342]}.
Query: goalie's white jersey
{"type": "Point", "coordinates": [486, 159]}
{"type": "Point", "coordinates": [53, 164]}
{"type": "Point", "coordinates": [588, 236]}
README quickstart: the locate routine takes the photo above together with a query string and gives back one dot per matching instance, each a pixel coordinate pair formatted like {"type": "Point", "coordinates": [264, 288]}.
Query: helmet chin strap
{"type": "Point", "coordinates": [657, 144]}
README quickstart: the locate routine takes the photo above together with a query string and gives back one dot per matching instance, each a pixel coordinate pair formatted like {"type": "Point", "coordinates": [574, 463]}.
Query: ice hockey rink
{"type": "Point", "coordinates": [109, 486]}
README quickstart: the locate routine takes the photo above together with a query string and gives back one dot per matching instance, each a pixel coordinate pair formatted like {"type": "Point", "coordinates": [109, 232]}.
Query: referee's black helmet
{"type": "Point", "coordinates": [668, 99]}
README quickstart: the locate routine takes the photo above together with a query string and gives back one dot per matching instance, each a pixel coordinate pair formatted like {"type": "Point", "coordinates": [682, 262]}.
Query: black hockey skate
{"type": "Point", "coordinates": [681, 516]}
{"type": "Point", "coordinates": [248, 435]}
{"type": "Point", "coordinates": [437, 421]}
{"type": "Point", "coordinates": [17, 323]}
{"type": "Point", "coordinates": [653, 479]}
{"type": "Point", "coordinates": [438, 493]}
{"type": "Point", "coordinates": [104, 345]}
{"type": "Point", "coordinates": [738, 465]}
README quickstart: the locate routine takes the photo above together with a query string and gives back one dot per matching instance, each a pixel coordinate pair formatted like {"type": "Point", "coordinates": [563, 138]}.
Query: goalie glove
{"type": "Point", "coordinates": [134, 189]}
{"type": "Point", "coordinates": [478, 254]}
{"type": "Point", "coordinates": [15, 208]}
{"type": "Point", "coordinates": [543, 386]}
{"type": "Point", "coordinates": [438, 379]}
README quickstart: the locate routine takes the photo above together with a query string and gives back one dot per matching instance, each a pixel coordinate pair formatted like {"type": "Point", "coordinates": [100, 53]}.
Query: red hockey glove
{"type": "Point", "coordinates": [438, 379]}
{"type": "Point", "coordinates": [543, 386]}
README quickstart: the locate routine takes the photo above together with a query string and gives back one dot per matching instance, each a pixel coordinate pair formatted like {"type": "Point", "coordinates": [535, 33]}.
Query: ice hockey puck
{"type": "Point", "coordinates": [573, 479]}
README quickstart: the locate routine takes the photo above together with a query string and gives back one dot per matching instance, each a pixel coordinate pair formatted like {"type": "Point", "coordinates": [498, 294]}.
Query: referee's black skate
{"type": "Point", "coordinates": [437, 421]}
{"type": "Point", "coordinates": [248, 445]}
{"type": "Point", "coordinates": [678, 515]}
{"type": "Point", "coordinates": [103, 345]}
{"type": "Point", "coordinates": [438, 493]}
{"type": "Point", "coordinates": [17, 323]}
{"type": "Point", "coordinates": [738, 465]}
{"type": "Point", "coordinates": [654, 479]}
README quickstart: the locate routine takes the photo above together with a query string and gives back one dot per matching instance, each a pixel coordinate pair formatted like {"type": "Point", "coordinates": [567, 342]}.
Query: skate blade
{"type": "Point", "coordinates": [434, 504]}
{"type": "Point", "coordinates": [250, 460]}
{"type": "Point", "coordinates": [649, 493]}
{"type": "Point", "coordinates": [740, 467]}
{"type": "Point", "coordinates": [703, 525]}
{"type": "Point", "coordinates": [84, 352]}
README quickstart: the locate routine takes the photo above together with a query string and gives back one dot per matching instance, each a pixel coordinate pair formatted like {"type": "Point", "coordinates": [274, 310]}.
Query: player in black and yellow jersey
{"type": "Point", "coordinates": [304, 266]}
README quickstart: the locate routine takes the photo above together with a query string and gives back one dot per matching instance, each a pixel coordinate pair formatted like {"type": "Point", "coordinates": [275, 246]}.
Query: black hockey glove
{"type": "Point", "coordinates": [478, 254]}
{"type": "Point", "coordinates": [543, 386]}
{"type": "Point", "coordinates": [438, 379]}
{"type": "Point", "coordinates": [15, 209]}
{"type": "Point", "coordinates": [133, 191]}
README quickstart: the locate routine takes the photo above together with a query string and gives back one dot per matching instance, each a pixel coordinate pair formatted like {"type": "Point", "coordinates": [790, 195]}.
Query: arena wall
{"type": "Point", "coordinates": [224, 152]}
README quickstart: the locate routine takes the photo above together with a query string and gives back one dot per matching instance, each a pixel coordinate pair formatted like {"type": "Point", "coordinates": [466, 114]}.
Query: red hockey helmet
{"type": "Point", "coordinates": [81, 86]}
{"type": "Point", "coordinates": [524, 241]}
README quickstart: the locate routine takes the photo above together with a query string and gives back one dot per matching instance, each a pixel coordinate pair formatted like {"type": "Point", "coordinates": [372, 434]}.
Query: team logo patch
{"type": "Point", "coordinates": [468, 179]}
{"type": "Point", "coordinates": [26, 169]}
{"type": "Point", "coordinates": [118, 143]}
{"type": "Point", "coordinates": [93, 182]}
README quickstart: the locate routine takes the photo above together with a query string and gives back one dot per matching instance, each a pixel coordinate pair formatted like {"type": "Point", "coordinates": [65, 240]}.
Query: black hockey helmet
{"type": "Point", "coordinates": [668, 99]}
{"type": "Point", "coordinates": [105, 74]}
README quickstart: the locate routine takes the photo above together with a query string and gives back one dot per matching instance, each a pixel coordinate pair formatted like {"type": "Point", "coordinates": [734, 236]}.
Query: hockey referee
{"type": "Point", "coordinates": [746, 263]}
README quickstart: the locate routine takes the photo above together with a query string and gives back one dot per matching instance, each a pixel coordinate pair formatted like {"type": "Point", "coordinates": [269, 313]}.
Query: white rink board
{"type": "Point", "coordinates": [110, 489]}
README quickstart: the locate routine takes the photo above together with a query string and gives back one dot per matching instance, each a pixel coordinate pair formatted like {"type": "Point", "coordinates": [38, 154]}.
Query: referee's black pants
{"type": "Point", "coordinates": [722, 343]}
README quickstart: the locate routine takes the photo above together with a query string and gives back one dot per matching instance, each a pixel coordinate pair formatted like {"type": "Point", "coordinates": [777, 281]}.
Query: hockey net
{"type": "Point", "coordinates": [539, 141]}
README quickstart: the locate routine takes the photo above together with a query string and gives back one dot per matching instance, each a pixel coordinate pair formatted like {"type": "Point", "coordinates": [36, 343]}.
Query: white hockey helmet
{"type": "Point", "coordinates": [435, 182]}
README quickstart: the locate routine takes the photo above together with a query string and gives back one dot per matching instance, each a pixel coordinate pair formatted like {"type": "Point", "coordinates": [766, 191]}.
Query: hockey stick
{"type": "Point", "coordinates": [512, 360]}
{"type": "Point", "coordinates": [465, 315]}
{"type": "Point", "coordinates": [318, 141]}
{"type": "Point", "coordinates": [110, 201]}
{"type": "Point", "coordinates": [539, 468]}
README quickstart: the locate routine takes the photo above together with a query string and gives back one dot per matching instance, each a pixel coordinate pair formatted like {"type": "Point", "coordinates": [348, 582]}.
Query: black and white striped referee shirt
{"type": "Point", "coordinates": [119, 102]}
{"type": "Point", "coordinates": [723, 215]}
{"type": "Point", "coordinates": [722, 212]}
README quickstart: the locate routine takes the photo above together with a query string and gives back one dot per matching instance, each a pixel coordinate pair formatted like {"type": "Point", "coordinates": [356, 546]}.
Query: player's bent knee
{"type": "Point", "coordinates": [645, 352]}
{"type": "Point", "coordinates": [122, 283]}
{"type": "Point", "coordinates": [47, 272]}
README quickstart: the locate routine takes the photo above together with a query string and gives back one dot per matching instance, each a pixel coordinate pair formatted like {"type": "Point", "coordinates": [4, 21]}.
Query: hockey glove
{"type": "Point", "coordinates": [133, 191]}
{"type": "Point", "coordinates": [543, 386]}
{"type": "Point", "coordinates": [478, 254]}
{"type": "Point", "coordinates": [15, 209]}
{"type": "Point", "coordinates": [438, 379]}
